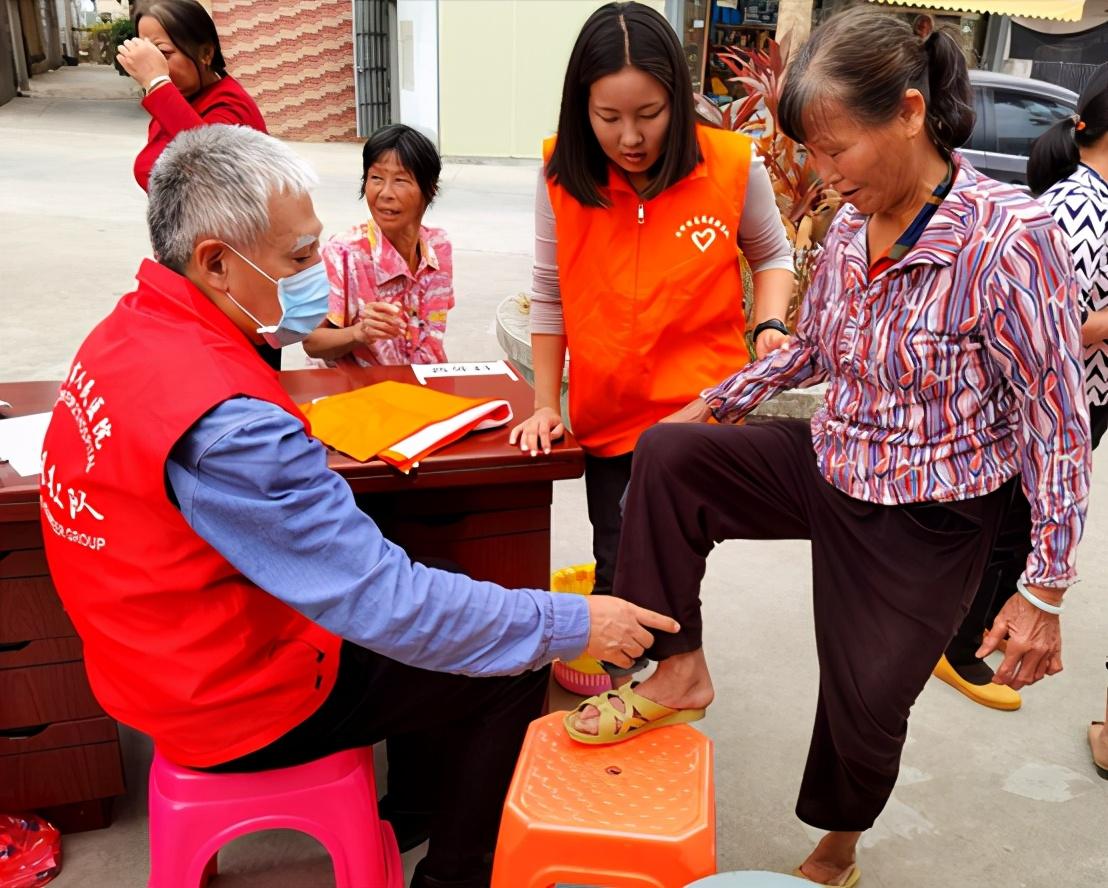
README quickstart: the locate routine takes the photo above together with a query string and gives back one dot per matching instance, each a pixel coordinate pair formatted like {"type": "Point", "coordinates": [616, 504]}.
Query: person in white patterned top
{"type": "Point", "coordinates": [1069, 168]}
{"type": "Point", "coordinates": [1069, 165]}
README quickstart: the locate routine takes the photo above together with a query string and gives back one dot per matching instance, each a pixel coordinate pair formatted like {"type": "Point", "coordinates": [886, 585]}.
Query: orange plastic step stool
{"type": "Point", "coordinates": [639, 814]}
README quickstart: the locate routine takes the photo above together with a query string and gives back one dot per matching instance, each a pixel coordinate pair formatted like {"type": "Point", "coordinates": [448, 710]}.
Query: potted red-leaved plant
{"type": "Point", "coordinates": [807, 205]}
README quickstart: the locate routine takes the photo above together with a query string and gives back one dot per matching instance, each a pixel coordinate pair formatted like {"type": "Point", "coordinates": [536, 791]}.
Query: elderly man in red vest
{"type": "Point", "coordinates": [234, 603]}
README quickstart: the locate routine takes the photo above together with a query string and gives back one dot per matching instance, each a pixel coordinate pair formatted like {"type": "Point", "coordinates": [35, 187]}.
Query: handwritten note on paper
{"type": "Point", "coordinates": [21, 442]}
{"type": "Point", "coordinates": [423, 372]}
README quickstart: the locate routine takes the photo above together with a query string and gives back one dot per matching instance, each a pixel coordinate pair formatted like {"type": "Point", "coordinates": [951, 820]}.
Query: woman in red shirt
{"type": "Point", "coordinates": [177, 61]}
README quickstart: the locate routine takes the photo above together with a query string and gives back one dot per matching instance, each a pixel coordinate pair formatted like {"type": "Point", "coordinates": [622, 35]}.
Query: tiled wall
{"type": "Point", "coordinates": [297, 61]}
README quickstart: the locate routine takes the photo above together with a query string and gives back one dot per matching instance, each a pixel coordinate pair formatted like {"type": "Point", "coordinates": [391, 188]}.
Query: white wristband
{"type": "Point", "coordinates": [156, 82]}
{"type": "Point", "coordinates": [1055, 609]}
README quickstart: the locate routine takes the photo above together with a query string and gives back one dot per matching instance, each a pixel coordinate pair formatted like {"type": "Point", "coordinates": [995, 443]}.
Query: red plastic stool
{"type": "Point", "coordinates": [639, 814]}
{"type": "Point", "coordinates": [334, 800]}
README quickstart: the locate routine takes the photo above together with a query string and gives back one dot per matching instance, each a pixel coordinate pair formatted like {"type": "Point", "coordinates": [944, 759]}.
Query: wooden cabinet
{"type": "Point", "coordinates": [478, 505]}
{"type": "Point", "coordinates": [59, 752]}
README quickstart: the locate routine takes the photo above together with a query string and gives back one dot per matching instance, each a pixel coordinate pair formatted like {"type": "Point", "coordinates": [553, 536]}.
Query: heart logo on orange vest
{"type": "Point", "coordinates": [704, 238]}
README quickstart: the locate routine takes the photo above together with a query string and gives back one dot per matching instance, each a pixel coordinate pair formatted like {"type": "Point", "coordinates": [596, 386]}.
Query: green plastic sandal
{"type": "Point", "coordinates": [639, 716]}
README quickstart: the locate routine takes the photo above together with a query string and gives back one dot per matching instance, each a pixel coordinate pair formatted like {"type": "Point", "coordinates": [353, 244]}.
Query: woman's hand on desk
{"type": "Point", "coordinates": [619, 630]}
{"type": "Point", "coordinates": [544, 426]}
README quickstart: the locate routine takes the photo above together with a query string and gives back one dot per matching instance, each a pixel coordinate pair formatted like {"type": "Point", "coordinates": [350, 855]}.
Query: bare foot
{"type": "Point", "coordinates": [832, 861]}
{"type": "Point", "coordinates": [681, 682]}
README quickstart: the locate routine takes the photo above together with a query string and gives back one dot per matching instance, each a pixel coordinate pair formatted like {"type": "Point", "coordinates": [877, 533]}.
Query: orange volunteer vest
{"type": "Point", "coordinates": [177, 642]}
{"type": "Point", "coordinates": [651, 293]}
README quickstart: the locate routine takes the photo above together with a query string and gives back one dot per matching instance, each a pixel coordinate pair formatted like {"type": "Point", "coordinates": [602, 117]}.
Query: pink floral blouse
{"type": "Point", "coordinates": [364, 267]}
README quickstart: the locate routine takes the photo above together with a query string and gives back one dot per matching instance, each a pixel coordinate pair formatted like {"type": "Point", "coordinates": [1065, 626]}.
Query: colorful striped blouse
{"type": "Point", "coordinates": [949, 372]}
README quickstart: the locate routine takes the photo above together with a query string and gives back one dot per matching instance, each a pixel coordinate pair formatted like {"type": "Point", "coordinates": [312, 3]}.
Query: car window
{"type": "Point", "coordinates": [1021, 118]}
{"type": "Point", "coordinates": [977, 138]}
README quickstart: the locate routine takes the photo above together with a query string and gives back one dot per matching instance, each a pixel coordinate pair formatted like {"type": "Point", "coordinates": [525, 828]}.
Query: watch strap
{"type": "Point", "coordinates": [771, 324]}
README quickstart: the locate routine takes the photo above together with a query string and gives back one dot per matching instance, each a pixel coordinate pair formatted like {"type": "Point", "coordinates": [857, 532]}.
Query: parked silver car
{"type": "Point", "coordinates": [1012, 112]}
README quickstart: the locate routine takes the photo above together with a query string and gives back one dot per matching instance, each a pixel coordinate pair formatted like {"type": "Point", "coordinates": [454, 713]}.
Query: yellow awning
{"type": "Point", "coordinates": [1060, 10]}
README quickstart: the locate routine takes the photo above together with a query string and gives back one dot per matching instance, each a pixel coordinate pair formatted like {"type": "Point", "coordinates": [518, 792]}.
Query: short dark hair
{"type": "Point", "coordinates": [616, 36]}
{"type": "Point", "coordinates": [867, 59]}
{"type": "Point", "coordinates": [416, 153]}
{"type": "Point", "coordinates": [1057, 152]}
{"type": "Point", "coordinates": [189, 27]}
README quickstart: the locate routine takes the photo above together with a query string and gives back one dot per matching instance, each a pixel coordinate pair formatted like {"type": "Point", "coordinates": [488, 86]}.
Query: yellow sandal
{"type": "Point", "coordinates": [850, 880]}
{"type": "Point", "coordinates": [639, 716]}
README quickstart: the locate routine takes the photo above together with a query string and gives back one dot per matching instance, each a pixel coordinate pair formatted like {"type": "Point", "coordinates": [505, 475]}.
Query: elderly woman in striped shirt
{"type": "Point", "coordinates": [944, 319]}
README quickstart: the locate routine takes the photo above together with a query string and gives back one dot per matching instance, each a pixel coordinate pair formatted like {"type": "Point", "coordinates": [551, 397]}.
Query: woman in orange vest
{"type": "Point", "coordinates": [640, 217]}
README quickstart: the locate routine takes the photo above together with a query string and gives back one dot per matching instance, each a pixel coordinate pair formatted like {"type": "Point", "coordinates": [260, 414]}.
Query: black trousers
{"type": "Point", "coordinates": [463, 736]}
{"type": "Point", "coordinates": [890, 584]}
{"type": "Point", "coordinates": [1006, 565]}
{"type": "Point", "coordinates": [606, 480]}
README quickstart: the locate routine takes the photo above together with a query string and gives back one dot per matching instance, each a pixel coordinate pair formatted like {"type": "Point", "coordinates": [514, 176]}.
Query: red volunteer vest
{"type": "Point", "coordinates": [652, 294]}
{"type": "Point", "coordinates": [177, 643]}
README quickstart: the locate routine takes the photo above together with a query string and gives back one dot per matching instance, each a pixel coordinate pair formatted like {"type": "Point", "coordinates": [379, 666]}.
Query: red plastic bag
{"type": "Point", "coordinates": [30, 851]}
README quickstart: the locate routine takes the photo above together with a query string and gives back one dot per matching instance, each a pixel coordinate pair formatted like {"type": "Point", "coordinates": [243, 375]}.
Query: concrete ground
{"type": "Point", "coordinates": [985, 798]}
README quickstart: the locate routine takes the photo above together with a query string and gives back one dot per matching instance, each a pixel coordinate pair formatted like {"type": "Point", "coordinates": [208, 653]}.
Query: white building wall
{"type": "Point", "coordinates": [501, 67]}
{"type": "Point", "coordinates": [417, 74]}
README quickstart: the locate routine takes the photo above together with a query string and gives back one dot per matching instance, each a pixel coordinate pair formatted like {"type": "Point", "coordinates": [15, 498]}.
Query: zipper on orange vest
{"type": "Point", "coordinates": [642, 212]}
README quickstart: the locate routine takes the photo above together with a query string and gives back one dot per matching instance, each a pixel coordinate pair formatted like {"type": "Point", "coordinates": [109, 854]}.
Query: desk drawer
{"type": "Point", "coordinates": [38, 738]}
{"type": "Point", "coordinates": [30, 609]}
{"type": "Point", "coordinates": [39, 695]}
{"type": "Point", "coordinates": [41, 652]}
{"type": "Point", "coordinates": [36, 780]}
{"type": "Point", "coordinates": [23, 563]}
{"type": "Point", "coordinates": [20, 535]}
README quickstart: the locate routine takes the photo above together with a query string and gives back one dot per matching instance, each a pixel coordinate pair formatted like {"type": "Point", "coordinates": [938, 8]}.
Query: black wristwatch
{"type": "Point", "coordinates": [772, 324]}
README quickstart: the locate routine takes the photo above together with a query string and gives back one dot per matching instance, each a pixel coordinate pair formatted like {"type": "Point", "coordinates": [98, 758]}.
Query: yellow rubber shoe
{"type": "Point", "coordinates": [992, 695]}
{"type": "Point", "coordinates": [848, 880]}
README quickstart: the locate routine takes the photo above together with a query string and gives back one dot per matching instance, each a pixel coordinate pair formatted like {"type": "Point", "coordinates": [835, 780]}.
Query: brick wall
{"type": "Point", "coordinates": [297, 61]}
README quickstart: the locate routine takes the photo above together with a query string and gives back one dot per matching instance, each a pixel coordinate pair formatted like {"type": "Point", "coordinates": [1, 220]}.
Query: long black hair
{"type": "Point", "coordinates": [616, 36]}
{"type": "Point", "coordinates": [866, 60]}
{"type": "Point", "coordinates": [1057, 152]}
{"type": "Point", "coordinates": [189, 26]}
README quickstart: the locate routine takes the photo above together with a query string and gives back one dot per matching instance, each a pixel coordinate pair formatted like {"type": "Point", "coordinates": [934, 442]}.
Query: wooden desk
{"type": "Point", "coordinates": [479, 504]}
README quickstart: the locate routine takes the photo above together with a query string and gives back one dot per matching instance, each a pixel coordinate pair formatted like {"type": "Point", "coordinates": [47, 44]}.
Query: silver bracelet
{"type": "Point", "coordinates": [1055, 609]}
{"type": "Point", "coordinates": [155, 83]}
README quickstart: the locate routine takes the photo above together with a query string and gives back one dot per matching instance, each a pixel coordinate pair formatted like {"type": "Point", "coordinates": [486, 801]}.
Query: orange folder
{"type": "Point", "coordinates": [398, 422]}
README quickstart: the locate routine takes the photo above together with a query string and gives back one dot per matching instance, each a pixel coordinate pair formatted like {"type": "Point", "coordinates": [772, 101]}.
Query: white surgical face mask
{"type": "Point", "coordinates": [303, 297]}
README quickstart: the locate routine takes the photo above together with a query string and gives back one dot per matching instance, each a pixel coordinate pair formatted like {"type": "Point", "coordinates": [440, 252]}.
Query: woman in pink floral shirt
{"type": "Point", "coordinates": [392, 278]}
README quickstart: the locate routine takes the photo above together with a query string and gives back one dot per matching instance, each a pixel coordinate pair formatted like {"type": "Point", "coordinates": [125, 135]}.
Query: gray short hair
{"type": "Point", "coordinates": [216, 181]}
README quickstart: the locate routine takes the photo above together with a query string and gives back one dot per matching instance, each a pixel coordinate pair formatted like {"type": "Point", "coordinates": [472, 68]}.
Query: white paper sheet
{"type": "Point", "coordinates": [21, 442]}
{"type": "Point", "coordinates": [423, 372]}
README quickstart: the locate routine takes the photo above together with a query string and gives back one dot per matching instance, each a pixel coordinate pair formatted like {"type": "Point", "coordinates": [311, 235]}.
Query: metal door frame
{"type": "Point", "coordinates": [374, 31]}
